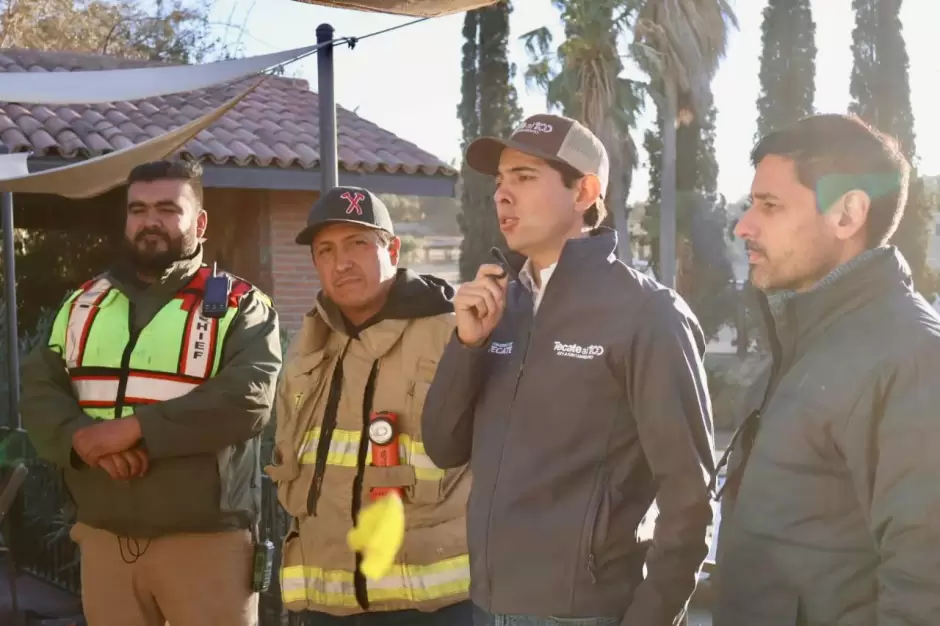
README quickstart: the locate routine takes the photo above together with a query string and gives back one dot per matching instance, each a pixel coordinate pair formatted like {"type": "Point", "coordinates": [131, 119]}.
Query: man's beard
{"type": "Point", "coordinates": [147, 259]}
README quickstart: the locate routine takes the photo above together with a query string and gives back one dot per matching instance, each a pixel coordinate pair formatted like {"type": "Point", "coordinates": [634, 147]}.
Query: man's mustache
{"type": "Point", "coordinates": [750, 246]}
{"type": "Point", "coordinates": [151, 231]}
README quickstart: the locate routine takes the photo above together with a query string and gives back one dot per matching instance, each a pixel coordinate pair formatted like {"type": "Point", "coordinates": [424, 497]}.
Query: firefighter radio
{"type": "Point", "coordinates": [383, 434]}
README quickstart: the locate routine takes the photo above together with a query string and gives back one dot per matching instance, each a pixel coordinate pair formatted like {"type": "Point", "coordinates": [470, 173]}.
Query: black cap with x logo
{"type": "Point", "coordinates": [351, 205]}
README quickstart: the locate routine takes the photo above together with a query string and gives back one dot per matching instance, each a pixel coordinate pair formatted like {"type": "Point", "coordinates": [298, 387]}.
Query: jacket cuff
{"type": "Point", "coordinates": [152, 433]}
{"type": "Point", "coordinates": [66, 456]}
{"type": "Point", "coordinates": [462, 347]}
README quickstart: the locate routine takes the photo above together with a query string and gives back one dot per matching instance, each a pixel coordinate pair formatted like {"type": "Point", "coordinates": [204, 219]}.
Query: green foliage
{"type": "Point", "coordinates": [27, 342]}
{"type": "Point", "coordinates": [409, 244]}
{"type": "Point", "coordinates": [488, 106]}
{"type": "Point", "coordinates": [701, 222]}
{"type": "Point", "coordinates": [880, 89]}
{"type": "Point", "coordinates": [881, 95]}
{"type": "Point", "coordinates": [174, 31]}
{"type": "Point", "coordinates": [50, 263]}
{"type": "Point", "coordinates": [788, 65]}
{"type": "Point", "coordinates": [581, 77]}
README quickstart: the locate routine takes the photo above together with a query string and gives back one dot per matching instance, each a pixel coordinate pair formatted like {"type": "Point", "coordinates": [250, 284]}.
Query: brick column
{"type": "Point", "coordinates": [295, 282]}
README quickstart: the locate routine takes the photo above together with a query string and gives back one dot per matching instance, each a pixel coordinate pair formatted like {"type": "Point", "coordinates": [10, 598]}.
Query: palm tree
{"type": "Point", "coordinates": [679, 43]}
{"type": "Point", "coordinates": [582, 79]}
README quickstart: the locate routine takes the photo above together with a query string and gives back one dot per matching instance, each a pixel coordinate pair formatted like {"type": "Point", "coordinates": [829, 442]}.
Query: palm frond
{"type": "Point", "coordinates": [538, 42]}
{"type": "Point", "coordinates": [539, 74]}
{"type": "Point", "coordinates": [683, 41]}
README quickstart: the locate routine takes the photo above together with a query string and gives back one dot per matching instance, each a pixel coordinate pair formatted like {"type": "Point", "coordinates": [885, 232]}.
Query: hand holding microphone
{"type": "Point", "coordinates": [479, 304]}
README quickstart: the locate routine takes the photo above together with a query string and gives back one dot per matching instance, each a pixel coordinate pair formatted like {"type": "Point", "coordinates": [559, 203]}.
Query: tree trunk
{"type": "Point", "coordinates": [667, 212]}
{"type": "Point", "coordinates": [616, 203]}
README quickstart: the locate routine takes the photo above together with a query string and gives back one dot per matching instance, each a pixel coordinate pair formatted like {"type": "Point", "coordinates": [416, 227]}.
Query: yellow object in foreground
{"type": "Point", "coordinates": [378, 535]}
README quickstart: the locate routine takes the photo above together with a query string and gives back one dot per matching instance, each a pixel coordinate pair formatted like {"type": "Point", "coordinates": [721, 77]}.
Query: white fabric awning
{"type": "Point", "coordinates": [98, 86]}
{"type": "Point", "coordinates": [95, 176]}
{"type": "Point", "coordinates": [416, 8]}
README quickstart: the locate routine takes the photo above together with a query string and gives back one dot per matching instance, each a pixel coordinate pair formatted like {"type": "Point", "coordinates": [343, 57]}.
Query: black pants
{"type": "Point", "coordinates": [455, 615]}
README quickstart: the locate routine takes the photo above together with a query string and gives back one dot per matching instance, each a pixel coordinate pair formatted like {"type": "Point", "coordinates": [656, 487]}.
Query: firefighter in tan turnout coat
{"type": "Point", "coordinates": [371, 344]}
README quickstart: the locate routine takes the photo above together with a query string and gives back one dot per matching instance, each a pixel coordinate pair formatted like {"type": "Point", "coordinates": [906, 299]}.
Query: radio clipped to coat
{"type": "Point", "coordinates": [380, 528]}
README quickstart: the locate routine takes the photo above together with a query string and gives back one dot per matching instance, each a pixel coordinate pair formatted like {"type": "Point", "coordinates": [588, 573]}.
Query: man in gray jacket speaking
{"type": "Point", "coordinates": [575, 389]}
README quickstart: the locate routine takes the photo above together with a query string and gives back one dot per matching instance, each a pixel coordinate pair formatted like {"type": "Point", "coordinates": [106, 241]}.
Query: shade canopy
{"type": "Point", "coordinates": [416, 8]}
{"type": "Point", "coordinates": [89, 178]}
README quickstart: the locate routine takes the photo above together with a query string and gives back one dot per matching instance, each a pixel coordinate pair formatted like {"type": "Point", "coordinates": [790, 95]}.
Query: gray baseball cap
{"type": "Point", "coordinates": [551, 137]}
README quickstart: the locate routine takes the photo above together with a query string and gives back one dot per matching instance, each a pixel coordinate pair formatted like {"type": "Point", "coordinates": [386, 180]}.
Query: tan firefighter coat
{"type": "Point", "coordinates": [389, 367]}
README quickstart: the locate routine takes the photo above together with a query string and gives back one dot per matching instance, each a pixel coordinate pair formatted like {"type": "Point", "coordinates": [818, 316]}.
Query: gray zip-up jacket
{"type": "Point", "coordinates": [573, 421]}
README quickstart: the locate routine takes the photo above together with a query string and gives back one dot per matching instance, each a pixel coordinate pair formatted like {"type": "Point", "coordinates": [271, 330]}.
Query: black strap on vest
{"type": "Point", "coordinates": [330, 417]}
{"type": "Point", "coordinates": [359, 580]}
{"type": "Point", "coordinates": [326, 433]}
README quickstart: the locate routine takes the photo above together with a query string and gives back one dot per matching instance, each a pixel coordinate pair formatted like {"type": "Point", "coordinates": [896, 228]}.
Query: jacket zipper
{"type": "Point", "coordinates": [512, 404]}
{"type": "Point", "coordinates": [592, 520]}
{"type": "Point", "coordinates": [126, 362]}
{"type": "Point", "coordinates": [596, 512]}
{"type": "Point", "coordinates": [489, 520]}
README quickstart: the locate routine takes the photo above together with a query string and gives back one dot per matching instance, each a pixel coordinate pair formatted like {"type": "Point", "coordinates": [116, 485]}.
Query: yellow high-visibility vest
{"type": "Point", "coordinates": [113, 370]}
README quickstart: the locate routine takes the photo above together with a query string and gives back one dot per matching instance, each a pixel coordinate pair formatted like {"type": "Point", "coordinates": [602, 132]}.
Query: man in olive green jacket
{"type": "Point", "coordinates": [151, 403]}
{"type": "Point", "coordinates": [831, 503]}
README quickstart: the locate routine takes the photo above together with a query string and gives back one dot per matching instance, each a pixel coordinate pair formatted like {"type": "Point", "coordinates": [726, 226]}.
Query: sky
{"type": "Point", "coordinates": [408, 80]}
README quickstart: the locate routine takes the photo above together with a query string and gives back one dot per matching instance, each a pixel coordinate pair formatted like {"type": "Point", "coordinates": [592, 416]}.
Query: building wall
{"type": "Point", "coordinates": [251, 234]}
{"type": "Point", "coordinates": [294, 281]}
{"type": "Point", "coordinates": [232, 239]}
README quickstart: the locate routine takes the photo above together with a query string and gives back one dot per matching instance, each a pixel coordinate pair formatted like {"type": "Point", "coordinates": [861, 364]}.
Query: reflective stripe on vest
{"type": "Point", "coordinates": [411, 583]}
{"type": "Point", "coordinates": [176, 352]}
{"type": "Point", "coordinates": [344, 452]}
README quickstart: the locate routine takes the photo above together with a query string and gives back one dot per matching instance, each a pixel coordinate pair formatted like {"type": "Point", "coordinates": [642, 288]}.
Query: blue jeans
{"type": "Point", "coordinates": [460, 614]}
{"type": "Point", "coordinates": [484, 618]}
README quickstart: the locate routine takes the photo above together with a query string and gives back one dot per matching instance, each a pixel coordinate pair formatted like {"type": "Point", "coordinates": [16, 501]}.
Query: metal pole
{"type": "Point", "coordinates": [13, 342]}
{"type": "Point", "coordinates": [329, 158]}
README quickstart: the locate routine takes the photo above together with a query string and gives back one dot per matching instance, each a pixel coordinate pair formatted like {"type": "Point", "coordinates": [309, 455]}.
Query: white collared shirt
{"type": "Point", "coordinates": [525, 277]}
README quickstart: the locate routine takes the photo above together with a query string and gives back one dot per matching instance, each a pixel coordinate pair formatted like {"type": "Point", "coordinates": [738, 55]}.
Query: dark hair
{"type": "Point", "coordinates": [384, 237]}
{"type": "Point", "coordinates": [190, 171]}
{"type": "Point", "coordinates": [569, 176]}
{"type": "Point", "coordinates": [848, 153]}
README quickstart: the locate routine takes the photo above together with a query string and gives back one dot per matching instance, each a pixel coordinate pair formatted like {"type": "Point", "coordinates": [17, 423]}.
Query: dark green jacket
{"type": "Point", "coordinates": [837, 518]}
{"type": "Point", "coordinates": [204, 471]}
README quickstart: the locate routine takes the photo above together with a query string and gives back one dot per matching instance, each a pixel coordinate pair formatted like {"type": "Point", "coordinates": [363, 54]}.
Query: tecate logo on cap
{"type": "Point", "coordinates": [535, 127]}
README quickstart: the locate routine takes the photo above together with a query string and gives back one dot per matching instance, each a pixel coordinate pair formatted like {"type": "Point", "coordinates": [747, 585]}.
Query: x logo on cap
{"type": "Point", "coordinates": [353, 201]}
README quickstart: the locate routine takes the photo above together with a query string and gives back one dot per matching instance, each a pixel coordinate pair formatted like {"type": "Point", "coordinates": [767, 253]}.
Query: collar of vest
{"type": "Point", "coordinates": [190, 293]}
{"type": "Point", "coordinates": [124, 276]}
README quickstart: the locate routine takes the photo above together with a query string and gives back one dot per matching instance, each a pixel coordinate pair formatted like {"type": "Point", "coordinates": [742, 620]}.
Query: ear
{"type": "Point", "coordinates": [394, 250]}
{"type": "Point", "coordinates": [202, 220]}
{"type": "Point", "coordinates": [588, 191]}
{"type": "Point", "coordinates": [849, 214]}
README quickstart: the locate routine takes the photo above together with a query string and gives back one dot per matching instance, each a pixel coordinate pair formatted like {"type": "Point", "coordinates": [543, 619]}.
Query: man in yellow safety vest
{"type": "Point", "coordinates": [150, 395]}
{"type": "Point", "coordinates": [349, 427]}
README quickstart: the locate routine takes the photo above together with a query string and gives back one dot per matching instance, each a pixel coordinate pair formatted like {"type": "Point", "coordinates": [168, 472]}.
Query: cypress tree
{"type": "Point", "coordinates": [488, 106]}
{"type": "Point", "coordinates": [881, 95]}
{"type": "Point", "coordinates": [788, 65]}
